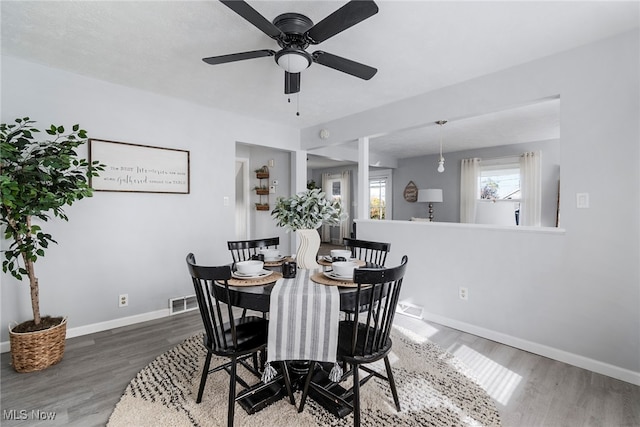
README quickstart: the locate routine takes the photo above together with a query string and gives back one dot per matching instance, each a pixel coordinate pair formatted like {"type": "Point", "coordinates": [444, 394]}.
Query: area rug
{"type": "Point", "coordinates": [434, 387]}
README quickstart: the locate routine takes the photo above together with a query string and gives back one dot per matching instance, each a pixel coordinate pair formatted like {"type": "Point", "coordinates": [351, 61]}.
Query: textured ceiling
{"type": "Point", "coordinates": [417, 46]}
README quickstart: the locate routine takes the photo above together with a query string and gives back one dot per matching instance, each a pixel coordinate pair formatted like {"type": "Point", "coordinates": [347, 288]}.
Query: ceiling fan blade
{"type": "Point", "coordinates": [291, 82]}
{"type": "Point", "coordinates": [345, 65]}
{"type": "Point", "coordinates": [223, 59]}
{"type": "Point", "coordinates": [243, 9]}
{"type": "Point", "coordinates": [347, 16]}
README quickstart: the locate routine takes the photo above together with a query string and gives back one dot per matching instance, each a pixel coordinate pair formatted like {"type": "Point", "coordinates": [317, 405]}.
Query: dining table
{"type": "Point", "coordinates": [255, 293]}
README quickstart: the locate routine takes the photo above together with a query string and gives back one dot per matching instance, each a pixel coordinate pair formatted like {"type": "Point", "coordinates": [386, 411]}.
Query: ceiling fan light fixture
{"type": "Point", "coordinates": [293, 60]}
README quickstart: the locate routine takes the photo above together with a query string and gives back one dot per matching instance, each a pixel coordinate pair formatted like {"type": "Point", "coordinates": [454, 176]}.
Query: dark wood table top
{"type": "Point", "coordinates": [257, 297]}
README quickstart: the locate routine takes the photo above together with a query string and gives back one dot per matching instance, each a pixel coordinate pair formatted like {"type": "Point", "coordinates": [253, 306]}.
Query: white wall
{"type": "Point", "coordinates": [577, 293]}
{"type": "Point", "coordinates": [131, 243]}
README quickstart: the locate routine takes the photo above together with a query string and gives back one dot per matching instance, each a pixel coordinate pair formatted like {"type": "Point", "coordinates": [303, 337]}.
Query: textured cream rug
{"type": "Point", "coordinates": [434, 387]}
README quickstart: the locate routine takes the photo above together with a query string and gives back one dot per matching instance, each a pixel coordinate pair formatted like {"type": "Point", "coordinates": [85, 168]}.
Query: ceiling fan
{"type": "Point", "coordinates": [294, 32]}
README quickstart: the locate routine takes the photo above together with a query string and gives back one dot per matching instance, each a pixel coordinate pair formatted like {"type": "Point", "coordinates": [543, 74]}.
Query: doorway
{"type": "Point", "coordinates": [243, 229]}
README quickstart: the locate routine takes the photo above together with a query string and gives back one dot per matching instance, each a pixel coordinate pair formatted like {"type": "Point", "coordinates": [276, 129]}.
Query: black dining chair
{"type": "Point", "coordinates": [237, 339]}
{"type": "Point", "coordinates": [369, 251]}
{"type": "Point", "coordinates": [242, 250]}
{"type": "Point", "coordinates": [363, 340]}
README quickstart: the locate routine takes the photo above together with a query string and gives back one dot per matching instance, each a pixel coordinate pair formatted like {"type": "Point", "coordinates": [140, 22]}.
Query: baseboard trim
{"type": "Point", "coordinates": [540, 349]}
{"type": "Point", "coordinates": [78, 331]}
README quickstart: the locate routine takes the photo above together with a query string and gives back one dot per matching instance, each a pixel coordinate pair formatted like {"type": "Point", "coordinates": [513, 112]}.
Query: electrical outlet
{"type": "Point", "coordinates": [123, 300]}
{"type": "Point", "coordinates": [463, 293]}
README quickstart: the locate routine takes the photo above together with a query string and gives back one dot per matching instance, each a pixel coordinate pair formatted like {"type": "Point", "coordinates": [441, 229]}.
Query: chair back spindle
{"type": "Point", "coordinates": [243, 250]}
{"type": "Point", "coordinates": [369, 251]}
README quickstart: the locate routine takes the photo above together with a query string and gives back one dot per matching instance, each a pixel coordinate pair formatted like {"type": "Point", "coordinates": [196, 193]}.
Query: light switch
{"type": "Point", "coordinates": [272, 189]}
{"type": "Point", "coordinates": [582, 200]}
{"type": "Point", "coordinates": [225, 200]}
{"type": "Point", "coordinates": [274, 182]}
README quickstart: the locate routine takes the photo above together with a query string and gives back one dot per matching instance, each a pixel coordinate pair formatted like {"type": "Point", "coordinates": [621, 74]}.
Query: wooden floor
{"type": "Point", "coordinates": [529, 390]}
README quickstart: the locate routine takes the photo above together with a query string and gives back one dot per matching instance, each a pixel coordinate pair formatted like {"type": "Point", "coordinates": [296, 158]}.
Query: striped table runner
{"type": "Point", "coordinates": [303, 322]}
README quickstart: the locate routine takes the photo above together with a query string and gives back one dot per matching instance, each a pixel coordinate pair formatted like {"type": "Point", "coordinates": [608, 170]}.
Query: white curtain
{"type": "Point", "coordinates": [530, 189]}
{"type": "Point", "coordinates": [469, 189]}
{"type": "Point", "coordinates": [326, 230]}
{"type": "Point", "coordinates": [345, 182]}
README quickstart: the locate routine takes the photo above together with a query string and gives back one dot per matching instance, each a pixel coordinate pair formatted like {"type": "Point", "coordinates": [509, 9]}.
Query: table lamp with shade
{"type": "Point", "coordinates": [431, 196]}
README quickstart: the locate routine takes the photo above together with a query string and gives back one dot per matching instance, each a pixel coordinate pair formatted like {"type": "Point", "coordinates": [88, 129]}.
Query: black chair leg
{"type": "Point", "coordinates": [254, 359]}
{"type": "Point", "coordinates": [305, 390]}
{"type": "Point", "coordinates": [287, 383]}
{"type": "Point", "coordinates": [232, 393]}
{"type": "Point", "coordinates": [392, 383]}
{"type": "Point", "coordinates": [203, 378]}
{"type": "Point", "coordinates": [356, 396]}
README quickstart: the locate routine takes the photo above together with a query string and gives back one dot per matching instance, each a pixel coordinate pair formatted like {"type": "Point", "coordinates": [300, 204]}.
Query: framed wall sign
{"type": "Point", "coordinates": [139, 168]}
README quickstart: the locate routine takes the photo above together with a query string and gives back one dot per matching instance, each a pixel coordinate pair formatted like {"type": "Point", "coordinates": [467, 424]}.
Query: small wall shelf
{"type": "Point", "coordinates": [262, 189]}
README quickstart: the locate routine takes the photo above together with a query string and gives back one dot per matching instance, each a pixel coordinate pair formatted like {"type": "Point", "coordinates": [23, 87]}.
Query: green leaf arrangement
{"type": "Point", "coordinates": [38, 178]}
{"type": "Point", "coordinates": [307, 210]}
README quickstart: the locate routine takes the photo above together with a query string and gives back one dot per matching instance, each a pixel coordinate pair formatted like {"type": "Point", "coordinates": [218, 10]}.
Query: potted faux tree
{"type": "Point", "coordinates": [304, 213]}
{"type": "Point", "coordinates": [38, 178]}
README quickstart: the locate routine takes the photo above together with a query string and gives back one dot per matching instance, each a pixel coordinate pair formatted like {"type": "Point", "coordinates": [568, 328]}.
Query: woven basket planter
{"type": "Point", "coordinates": [35, 351]}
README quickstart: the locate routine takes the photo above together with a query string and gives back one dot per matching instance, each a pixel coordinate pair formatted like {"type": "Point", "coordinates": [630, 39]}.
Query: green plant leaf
{"type": "Point", "coordinates": [39, 178]}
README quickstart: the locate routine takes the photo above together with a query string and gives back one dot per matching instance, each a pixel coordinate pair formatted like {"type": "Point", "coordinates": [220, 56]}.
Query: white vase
{"type": "Point", "coordinates": [307, 254]}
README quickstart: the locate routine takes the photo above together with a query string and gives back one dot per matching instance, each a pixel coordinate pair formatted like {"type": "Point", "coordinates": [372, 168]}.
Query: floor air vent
{"type": "Point", "coordinates": [410, 310]}
{"type": "Point", "coordinates": [182, 304]}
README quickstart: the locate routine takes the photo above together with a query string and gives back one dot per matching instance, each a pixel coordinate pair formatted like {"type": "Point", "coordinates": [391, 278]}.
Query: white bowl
{"type": "Point", "coordinates": [270, 254]}
{"type": "Point", "coordinates": [344, 268]}
{"type": "Point", "coordinates": [249, 267]}
{"type": "Point", "coordinates": [340, 253]}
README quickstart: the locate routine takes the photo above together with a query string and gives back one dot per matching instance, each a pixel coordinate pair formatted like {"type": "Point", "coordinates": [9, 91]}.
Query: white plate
{"type": "Point", "coordinates": [334, 276]}
{"type": "Point", "coordinates": [263, 273]}
{"type": "Point", "coordinates": [278, 259]}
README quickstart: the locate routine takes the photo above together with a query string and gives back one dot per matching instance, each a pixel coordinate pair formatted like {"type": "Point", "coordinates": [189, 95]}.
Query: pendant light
{"type": "Point", "coordinates": [441, 160]}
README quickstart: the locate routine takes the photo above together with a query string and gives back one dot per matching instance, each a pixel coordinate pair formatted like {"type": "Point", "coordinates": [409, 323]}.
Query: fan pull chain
{"type": "Point", "coordinates": [297, 103]}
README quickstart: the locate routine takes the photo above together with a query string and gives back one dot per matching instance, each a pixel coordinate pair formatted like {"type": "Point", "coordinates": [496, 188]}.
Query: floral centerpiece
{"type": "Point", "coordinates": [304, 213]}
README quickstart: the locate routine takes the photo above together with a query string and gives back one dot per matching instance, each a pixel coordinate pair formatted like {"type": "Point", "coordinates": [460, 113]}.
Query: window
{"type": "Point", "coordinates": [337, 187]}
{"type": "Point", "coordinates": [380, 194]}
{"type": "Point", "coordinates": [336, 193]}
{"type": "Point", "coordinates": [500, 182]}
{"type": "Point", "coordinates": [499, 192]}
{"type": "Point", "coordinates": [377, 199]}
